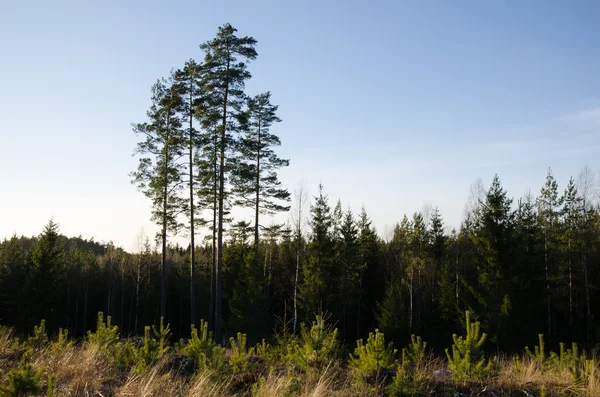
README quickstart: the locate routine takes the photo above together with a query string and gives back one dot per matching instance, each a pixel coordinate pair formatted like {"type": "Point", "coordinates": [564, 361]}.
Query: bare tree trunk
{"type": "Point", "coordinates": [300, 194]}
{"type": "Point", "coordinates": [213, 270]}
{"type": "Point", "coordinates": [457, 291]}
{"type": "Point", "coordinates": [359, 304]}
{"type": "Point", "coordinates": [570, 288]}
{"type": "Point", "coordinates": [137, 296]}
{"type": "Point", "coordinates": [130, 313]}
{"type": "Point", "coordinates": [85, 307]}
{"type": "Point", "coordinates": [192, 231]}
{"type": "Point", "coordinates": [549, 312]}
{"type": "Point", "coordinates": [108, 299]}
{"type": "Point", "coordinates": [219, 277]}
{"type": "Point", "coordinates": [257, 188]}
{"type": "Point", "coordinates": [122, 315]}
{"type": "Point", "coordinates": [163, 264]}
{"type": "Point", "coordinates": [296, 284]}
{"type": "Point", "coordinates": [76, 311]}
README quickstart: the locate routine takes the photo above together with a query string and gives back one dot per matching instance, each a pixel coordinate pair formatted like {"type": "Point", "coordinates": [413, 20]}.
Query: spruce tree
{"type": "Point", "coordinates": [44, 285]}
{"type": "Point", "coordinates": [349, 271]}
{"type": "Point", "coordinates": [548, 211]}
{"type": "Point", "coordinates": [529, 286]}
{"type": "Point", "coordinates": [370, 277]}
{"type": "Point", "coordinates": [224, 81]}
{"type": "Point", "coordinates": [493, 240]}
{"type": "Point", "coordinates": [317, 272]}
{"type": "Point", "coordinates": [571, 215]}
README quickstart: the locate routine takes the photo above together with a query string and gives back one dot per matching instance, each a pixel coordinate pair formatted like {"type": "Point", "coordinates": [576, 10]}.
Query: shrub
{"type": "Point", "coordinates": [467, 360]}
{"type": "Point", "coordinates": [577, 364]}
{"type": "Point", "coordinates": [265, 351]}
{"type": "Point", "coordinates": [106, 336]}
{"type": "Point", "coordinates": [202, 349]}
{"type": "Point", "coordinates": [126, 356]}
{"type": "Point", "coordinates": [52, 386]}
{"type": "Point", "coordinates": [62, 341]}
{"type": "Point", "coordinates": [238, 361]}
{"type": "Point", "coordinates": [39, 338]}
{"type": "Point", "coordinates": [371, 359]}
{"type": "Point", "coordinates": [22, 381]}
{"type": "Point", "coordinates": [410, 377]}
{"type": "Point", "coordinates": [317, 346]}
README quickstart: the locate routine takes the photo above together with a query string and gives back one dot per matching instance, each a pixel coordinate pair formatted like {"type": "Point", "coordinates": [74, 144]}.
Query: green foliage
{"type": "Point", "coordinates": [467, 360]}
{"type": "Point", "coordinates": [317, 345]}
{"type": "Point", "coordinates": [155, 345]}
{"type": "Point", "coordinates": [413, 356]}
{"type": "Point", "coordinates": [39, 338]}
{"type": "Point", "coordinates": [238, 360]}
{"type": "Point", "coordinates": [62, 341]}
{"type": "Point", "coordinates": [370, 359]}
{"type": "Point", "coordinates": [22, 381]}
{"type": "Point", "coordinates": [106, 336]}
{"type": "Point", "coordinates": [572, 360]}
{"type": "Point", "coordinates": [202, 349]}
{"type": "Point", "coordinates": [126, 356]}
{"type": "Point", "coordinates": [52, 386]}
{"type": "Point", "coordinates": [265, 351]}
{"type": "Point", "coordinates": [576, 363]}
{"type": "Point", "coordinates": [410, 377]}
{"type": "Point", "coordinates": [539, 352]}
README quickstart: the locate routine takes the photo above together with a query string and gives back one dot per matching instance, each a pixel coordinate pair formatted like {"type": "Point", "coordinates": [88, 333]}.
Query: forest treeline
{"type": "Point", "coordinates": [206, 148]}
{"type": "Point", "coordinates": [521, 268]}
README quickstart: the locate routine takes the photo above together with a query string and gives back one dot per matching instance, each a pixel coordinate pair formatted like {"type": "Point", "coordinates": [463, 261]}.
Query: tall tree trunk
{"type": "Point", "coordinates": [456, 292]}
{"type": "Point", "coordinates": [85, 306]}
{"type": "Point", "coordinates": [549, 312]}
{"type": "Point", "coordinates": [163, 264]}
{"type": "Point", "coordinates": [219, 277]}
{"type": "Point", "coordinates": [137, 296]}
{"type": "Point", "coordinates": [256, 204]}
{"type": "Point", "coordinates": [410, 317]}
{"type": "Point", "coordinates": [213, 270]}
{"type": "Point", "coordinates": [584, 260]}
{"type": "Point", "coordinates": [108, 298]}
{"type": "Point", "coordinates": [570, 288]}
{"type": "Point", "coordinates": [130, 313]}
{"type": "Point", "coordinates": [296, 281]}
{"type": "Point", "coordinates": [359, 304]}
{"type": "Point", "coordinates": [76, 311]}
{"type": "Point", "coordinates": [192, 234]}
{"type": "Point", "coordinates": [122, 314]}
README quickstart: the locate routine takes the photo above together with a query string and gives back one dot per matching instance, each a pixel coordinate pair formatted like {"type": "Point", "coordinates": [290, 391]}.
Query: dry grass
{"type": "Point", "coordinates": [155, 381]}
{"type": "Point", "coordinates": [202, 385]}
{"type": "Point", "coordinates": [6, 342]}
{"type": "Point", "coordinates": [81, 371]}
{"type": "Point", "coordinates": [86, 371]}
{"type": "Point", "coordinates": [274, 386]}
{"type": "Point", "coordinates": [527, 375]}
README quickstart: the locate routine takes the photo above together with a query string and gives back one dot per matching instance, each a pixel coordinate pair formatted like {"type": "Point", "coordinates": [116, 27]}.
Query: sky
{"type": "Point", "coordinates": [390, 105]}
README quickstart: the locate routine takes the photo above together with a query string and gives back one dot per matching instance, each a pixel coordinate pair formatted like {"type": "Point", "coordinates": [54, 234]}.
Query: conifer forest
{"type": "Point", "coordinates": [320, 304]}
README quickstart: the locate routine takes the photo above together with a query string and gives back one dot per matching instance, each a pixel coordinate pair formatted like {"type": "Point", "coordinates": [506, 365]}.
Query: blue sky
{"type": "Point", "coordinates": [390, 105]}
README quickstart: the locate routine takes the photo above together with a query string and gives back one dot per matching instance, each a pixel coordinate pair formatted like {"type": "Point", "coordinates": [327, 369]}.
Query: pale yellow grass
{"type": "Point", "coordinates": [81, 371]}
{"type": "Point", "coordinates": [153, 382]}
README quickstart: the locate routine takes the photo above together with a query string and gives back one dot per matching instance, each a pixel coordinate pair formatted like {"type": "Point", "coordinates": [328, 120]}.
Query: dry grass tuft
{"type": "Point", "coordinates": [80, 371]}
{"type": "Point", "coordinates": [202, 385]}
{"type": "Point", "coordinates": [7, 340]}
{"type": "Point", "coordinates": [274, 386]}
{"type": "Point", "coordinates": [154, 381]}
